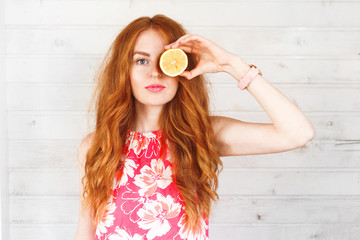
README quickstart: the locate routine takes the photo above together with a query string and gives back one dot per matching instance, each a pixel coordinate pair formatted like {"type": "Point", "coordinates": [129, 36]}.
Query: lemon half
{"type": "Point", "coordinates": [173, 62]}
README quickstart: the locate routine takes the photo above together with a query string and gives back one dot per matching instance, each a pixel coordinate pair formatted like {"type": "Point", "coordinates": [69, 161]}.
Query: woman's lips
{"type": "Point", "coordinates": [155, 87]}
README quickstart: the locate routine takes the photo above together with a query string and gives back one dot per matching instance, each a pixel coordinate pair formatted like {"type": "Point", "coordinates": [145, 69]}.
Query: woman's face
{"type": "Point", "coordinates": [149, 85]}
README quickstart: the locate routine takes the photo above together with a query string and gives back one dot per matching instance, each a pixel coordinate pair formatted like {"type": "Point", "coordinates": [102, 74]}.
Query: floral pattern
{"type": "Point", "coordinates": [152, 177]}
{"type": "Point", "coordinates": [200, 233]}
{"type": "Point", "coordinates": [156, 214]}
{"type": "Point", "coordinates": [128, 171]}
{"type": "Point", "coordinates": [121, 234]}
{"type": "Point", "coordinates": [145, 202]}
{"type": "Point", "coordinates": [108, 219]}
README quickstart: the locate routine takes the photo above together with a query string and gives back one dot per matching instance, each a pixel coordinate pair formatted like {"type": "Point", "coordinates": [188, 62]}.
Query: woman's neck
{"type": "Point", "coordinates": [146, 118]}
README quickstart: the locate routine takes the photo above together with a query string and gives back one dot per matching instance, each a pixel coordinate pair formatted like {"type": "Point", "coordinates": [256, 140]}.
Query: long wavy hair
{"type": "Point", "coordinates": [185, 122]}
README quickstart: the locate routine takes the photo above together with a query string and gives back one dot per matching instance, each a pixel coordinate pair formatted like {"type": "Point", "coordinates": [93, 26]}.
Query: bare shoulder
{"type": "Point", "coordinates": [86, 228]}
{"type": "Point", "coordinates": [84, 147]}
{"type": "Point", "coordinates": [87, 140]}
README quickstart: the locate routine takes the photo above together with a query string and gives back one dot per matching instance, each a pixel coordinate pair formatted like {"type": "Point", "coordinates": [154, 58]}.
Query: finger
{"type": "Point", "coordinates": [183, 37]}
{"type": "Point", "coordinates": [185, 74]}
{"type": "Point", "coordinates": [191, 74]}
{"type": "Point", "coordinates": [172, 45]}
{"type": "Point", "coordinates": [186, 49]}
{"type": "Point", "coordinates": [192, 40]}
{"type": "Point", "coordinates": [179, 39]}
{"type": "Point", "coordinates": [182, 41]}
{"type": "Point", "coordinates": [185, 41]}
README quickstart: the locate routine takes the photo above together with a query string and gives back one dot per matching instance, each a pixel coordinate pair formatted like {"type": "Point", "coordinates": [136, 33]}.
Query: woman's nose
{"type": "Point", "coordinates": [156, 71]}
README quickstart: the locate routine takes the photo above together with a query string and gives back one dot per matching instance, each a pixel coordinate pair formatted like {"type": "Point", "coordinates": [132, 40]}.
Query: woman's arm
{"type": "Point", "coordinates": [85, 229]}
{"type": "Point", "coordinates": [290, 128]}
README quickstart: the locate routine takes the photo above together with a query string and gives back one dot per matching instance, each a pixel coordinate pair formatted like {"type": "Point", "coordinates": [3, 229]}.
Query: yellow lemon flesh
{"type": "Point", "coordinates": [173, 62]}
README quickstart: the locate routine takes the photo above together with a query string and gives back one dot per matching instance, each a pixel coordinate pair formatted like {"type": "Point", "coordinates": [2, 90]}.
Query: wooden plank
{"type": "Point", "coordinates": [318, 13]}
{"type": "Point", "coordinates": [299, 42]}
{"type": "Point", "coordinates": [227, 97]}
{"type": "Point", "coordinates": [42, 97]}
{"type": "Point", "coordinates": [232, 181]}
{"type": "Point", "coordinates": [314, 155]}
{"type": "Point", "coordinates": [329, 126]}
{"type": "Point", "coordinates": [234, 210]}
{"type": "Point", "coordinates": [52, 69]}
{"type": "Point", "coordinates": [81, 69]}
{"type": "Point", "coordinates": [51, 210]}
{"type": "Point", "coordinates": [55, 182]}
{"type": "Point", "coordinates": [289, 182]}
{"type": "Point", "coordinates": [286, 231]}
{"type": "Point", "coordinates": [42, 231]}
{"type": "Point", "coordinates": [325, 42]}
{"type": "Point", "coordinates": [4, 162]}
{"type": "Point", "coordinates": [224, 97]}
{"type": "Point", "coordinates": [60, 41]}
{"type": "Point", "coordinates": [44, 154]}
{"type": "Point", "coordinates": [40, 154]}
{"type": "Point", "coordinates": [50, 125]}
{"type": "Point", "coordinates": [287, 69]}
{"type": "Point", "coordinates": [333, 231]}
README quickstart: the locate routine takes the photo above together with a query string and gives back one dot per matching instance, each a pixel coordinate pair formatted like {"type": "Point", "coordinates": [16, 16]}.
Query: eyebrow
{"type": "Point", "coordinates": [142, 53]}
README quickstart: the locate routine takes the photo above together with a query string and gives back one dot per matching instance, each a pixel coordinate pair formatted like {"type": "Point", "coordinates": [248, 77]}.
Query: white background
{"type": "Point", "coordinates": [4, 198]}
{"type": "Point", "coordinates": [310, 50]}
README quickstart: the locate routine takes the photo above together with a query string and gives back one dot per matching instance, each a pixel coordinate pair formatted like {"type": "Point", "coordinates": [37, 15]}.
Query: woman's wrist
{"type": "Point", "coordinates": [237, 67]}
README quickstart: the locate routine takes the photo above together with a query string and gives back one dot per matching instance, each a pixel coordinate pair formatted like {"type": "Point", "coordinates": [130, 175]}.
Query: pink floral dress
{"type": "Point", "coordinates": [145, 202]}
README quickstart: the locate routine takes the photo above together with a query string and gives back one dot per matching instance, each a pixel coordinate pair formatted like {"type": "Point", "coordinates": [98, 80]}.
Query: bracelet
{"type": "Point", "coordinates": [250, 75]}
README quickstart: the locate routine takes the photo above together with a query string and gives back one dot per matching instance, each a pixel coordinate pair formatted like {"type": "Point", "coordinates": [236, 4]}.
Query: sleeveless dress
{"type": "Point", "coordinates": [145, 202]}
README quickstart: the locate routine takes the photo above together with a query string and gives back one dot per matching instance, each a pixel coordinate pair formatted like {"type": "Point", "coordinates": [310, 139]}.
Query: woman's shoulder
{"type": "Point", "coordinates": [87, 140]}
{"type": "Point", "coordinates": [84, 146]}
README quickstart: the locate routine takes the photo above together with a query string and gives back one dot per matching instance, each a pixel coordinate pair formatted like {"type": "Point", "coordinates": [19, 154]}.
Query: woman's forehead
{"type": "Point", "coordinates": [148, 40]}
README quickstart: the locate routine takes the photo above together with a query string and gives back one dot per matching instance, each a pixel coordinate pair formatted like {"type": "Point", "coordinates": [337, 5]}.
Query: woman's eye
{"type": "Point", "coordinates": [141, 61]}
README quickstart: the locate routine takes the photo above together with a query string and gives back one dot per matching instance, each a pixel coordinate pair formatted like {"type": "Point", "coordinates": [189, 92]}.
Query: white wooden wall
{"type": "Point", "coordinates": [4, 183]}
{"type": "Point", "coordinates": [310, 50]}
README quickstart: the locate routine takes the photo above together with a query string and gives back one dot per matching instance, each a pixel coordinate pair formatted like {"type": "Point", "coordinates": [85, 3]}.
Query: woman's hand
{"type": "Point", "coordinates": [211, 57]}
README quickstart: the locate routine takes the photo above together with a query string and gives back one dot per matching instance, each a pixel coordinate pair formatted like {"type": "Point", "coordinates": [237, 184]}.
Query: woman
{"type": "Point", "coordinates": [150, 169]}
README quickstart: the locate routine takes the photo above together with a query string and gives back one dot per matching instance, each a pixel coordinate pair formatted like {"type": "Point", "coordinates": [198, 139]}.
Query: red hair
{"type": "Point", "coordinates": [185, 121]}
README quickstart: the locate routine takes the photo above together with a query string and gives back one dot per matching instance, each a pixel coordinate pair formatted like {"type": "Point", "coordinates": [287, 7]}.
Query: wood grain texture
{"type": "Point", "coordinates": [233, 181]}
{"type": "Point", "coordinates": [318, 13]}
{"type": "Point", "coordinates": [4, 203]}
{"type": "Point", "coordinates": [74, 69]}
{"type": "Point", "coordinates": [36, 125]}
{"type": "Point", "coordinates": [229, 210]}
{"type": "Point", "coordinates": [53, 153]}
{"type": "Point", "coordinates": [311, 42]}
{"type": "Point", "coordinates": [224, 97]}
